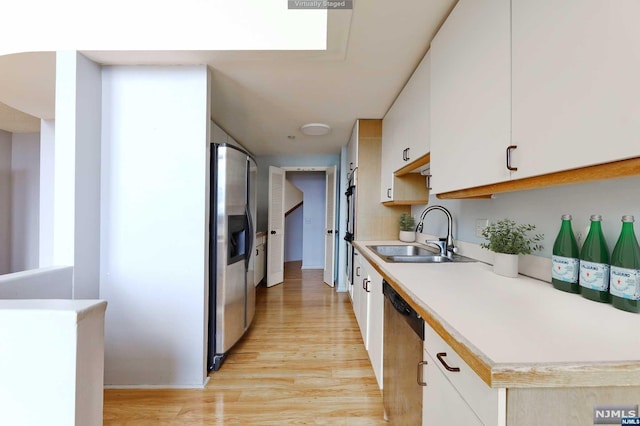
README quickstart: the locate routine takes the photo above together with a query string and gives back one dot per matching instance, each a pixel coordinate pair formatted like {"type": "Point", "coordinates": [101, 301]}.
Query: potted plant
{"type": "Point", "coordinates": [507, 240]}
{"type": "Point", "coordinates": [407, 228]}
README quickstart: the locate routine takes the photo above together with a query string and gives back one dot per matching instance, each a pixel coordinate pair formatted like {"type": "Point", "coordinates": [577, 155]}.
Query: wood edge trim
{"type": "Point", "coordinates": [612, 170]}
{"type": "Point", "coordinates": [404, 203]}
{"type": "Point", "coordinates": [480, 367]}
{"type": "Point", "coordinates": [293, 208]}
{"type": "Point", "coordinates": [567, 375]}
{"type": "Point", "coordinates": [418, 162]}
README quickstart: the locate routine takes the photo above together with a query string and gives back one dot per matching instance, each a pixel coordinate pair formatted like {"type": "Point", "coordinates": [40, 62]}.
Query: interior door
{"type": "Point", "coordinates": [275, 254]}
{"type": "Point", "coordinates": [329, 229]}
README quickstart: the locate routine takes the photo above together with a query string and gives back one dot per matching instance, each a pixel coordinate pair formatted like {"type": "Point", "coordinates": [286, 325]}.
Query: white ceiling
{"type": "Point", "coordinates": [261, 97]}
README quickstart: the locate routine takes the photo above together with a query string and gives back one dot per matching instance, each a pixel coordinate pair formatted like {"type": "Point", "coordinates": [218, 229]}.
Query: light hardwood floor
{"type": "Point", "coordinates": [301, 362]}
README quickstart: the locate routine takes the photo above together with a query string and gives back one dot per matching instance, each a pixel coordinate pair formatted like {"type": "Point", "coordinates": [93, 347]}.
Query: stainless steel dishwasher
{"type": "Point", "coordinates": [403, 355]}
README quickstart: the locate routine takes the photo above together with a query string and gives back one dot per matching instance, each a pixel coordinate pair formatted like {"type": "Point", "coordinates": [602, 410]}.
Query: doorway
{"type": "Point", "coordinates": [304, 226]}
{"type": "Point", "coordinates": [306, 234]}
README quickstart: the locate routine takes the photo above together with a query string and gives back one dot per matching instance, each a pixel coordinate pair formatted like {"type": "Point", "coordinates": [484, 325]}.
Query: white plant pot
{"type": "Point", "coordinates": [505, 264]}
{"type": "Point", "coordinates": [407, 236]}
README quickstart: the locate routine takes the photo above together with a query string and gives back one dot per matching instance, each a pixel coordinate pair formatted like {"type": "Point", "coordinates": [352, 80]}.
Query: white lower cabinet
{"type": "Point", "coordinates": [442, 404]}
{"type": "Point", "coordinates": [360, 297]}
{"type": "Point", "coordinates": [368, 306]}
{"type": "Point", "coordinates": [454, 394]}
{"type": "Point", "coordinates": [259, 266]}
{"type": "Point", "coordinates": [376, 322]}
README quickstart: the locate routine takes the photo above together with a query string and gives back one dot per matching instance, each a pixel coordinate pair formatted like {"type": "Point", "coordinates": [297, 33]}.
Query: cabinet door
{"type": "Point", "coordinates": [363, 308]}
{"type": "Point", "coordinates": [406, 127]}
{"type": "Point", "coordinates": [259, 264]}
{"type": "Point", "coordinates": [471, 96]}
{"type": "Point", "coordinates": [388, 161]}
{"type": "Point", "coordinates": [417, 100]}
{"type": "Point", "coordinates": [441, 402]}
{"type": "Point", "coordinates": [488, 404]}
{"type": "Point", "coordinates": [576, 91]}
{"type": "Point", "coordinates": [360, 298]}
{"type": "Point", "coordinates": [376, 323]}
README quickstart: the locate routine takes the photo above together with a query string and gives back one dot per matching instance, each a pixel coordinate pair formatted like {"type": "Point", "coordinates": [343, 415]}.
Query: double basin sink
{"type": "Point", "coordinates": [412, 253]}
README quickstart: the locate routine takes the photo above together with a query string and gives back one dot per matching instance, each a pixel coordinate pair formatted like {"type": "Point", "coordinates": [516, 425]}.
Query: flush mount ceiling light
{"type": "Point", "coordinates": [315, 129]}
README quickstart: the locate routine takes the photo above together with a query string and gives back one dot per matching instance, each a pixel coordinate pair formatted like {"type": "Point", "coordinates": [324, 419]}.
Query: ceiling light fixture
{"type": "Point", "coordinates": [315, 129]}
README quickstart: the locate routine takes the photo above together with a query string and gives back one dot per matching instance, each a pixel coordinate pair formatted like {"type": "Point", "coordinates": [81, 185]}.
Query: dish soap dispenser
{"type": "Point", "coordinates": [594, 264]}
{"type": "Point", "coordinates": [565, 260]}
{"type": "Point", "coordinates": [625, 269]}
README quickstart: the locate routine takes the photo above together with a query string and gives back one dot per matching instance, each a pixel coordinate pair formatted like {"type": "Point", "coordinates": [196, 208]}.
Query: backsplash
{"type": "Point", "coordinates": [543, 208]}
{"type": "Point", "coordinates": [530, 265]}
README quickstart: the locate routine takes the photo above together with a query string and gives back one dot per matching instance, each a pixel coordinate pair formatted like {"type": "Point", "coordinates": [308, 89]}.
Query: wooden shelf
{"type": "Point", "coordinates": [415, 164]}
{"type": "Point", "coordinates": [613, 170]}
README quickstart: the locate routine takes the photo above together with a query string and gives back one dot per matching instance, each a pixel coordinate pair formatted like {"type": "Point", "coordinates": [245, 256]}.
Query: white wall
{"type": "Point", "coordinates": [154, 224]}
{"type": "Point", "coordinates": [292, 195]}
{"type": "Point", "coordinates": [25, 204]}
{"type": "Point", "coordinates": [5, 202]}
{"type": "Point", "coordinates": [87, 186]}
{"type": "Point", "coordinates": [76, 170]}
{"type": "Point", "coordinates": [313, 185]}
{"type": "Point", "coordinates": [293, 235]}
{"type": "Point", "coordinates": [543, 208]}
{"type": "Point", "coordinates": [47, 165]}
{"type": "Point", "coordinates": [44, 283]}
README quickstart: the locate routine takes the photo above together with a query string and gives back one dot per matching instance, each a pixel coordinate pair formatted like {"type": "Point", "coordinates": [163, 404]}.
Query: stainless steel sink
{"type": "Point", "coordinates": [414, 254]}
{"type": "Point", "coordinates": [401, 250]}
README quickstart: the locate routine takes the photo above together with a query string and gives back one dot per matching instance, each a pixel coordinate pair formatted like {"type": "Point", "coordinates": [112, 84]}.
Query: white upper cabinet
{"type": "Point", "coordinates": [576, 83]}
{"type": "Point", "coordinates": [406, 127]}
{"type": "Point", "coordinates": [471, 96]}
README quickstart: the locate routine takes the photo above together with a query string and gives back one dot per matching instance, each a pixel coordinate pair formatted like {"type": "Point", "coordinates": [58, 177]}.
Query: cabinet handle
{"type": "Point", "coordinates": [366, 285]}
{"type": "Point", "coordinates": [257, 252]}
{"type": "Point", "coordinates": [389, 193]}
{"type": "Point", "coordinates": [440, 357]}
{"type": "Point", "coordinates": [364, 280]}
{"type": "Point", "coordinates": [509, 149]}
{"type": "Point", "coordinates": [420, 373]}
{"type": "Point", "coordinates": [405, 154]}
{"type": "Point", "coordinates": [357, 271]}
{"type": "Point", "coordinates": [330, 231]}
{"type": "Point", "coordinates": [351, 165]}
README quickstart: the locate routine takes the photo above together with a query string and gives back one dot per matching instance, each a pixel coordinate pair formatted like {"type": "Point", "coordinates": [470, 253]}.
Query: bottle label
{"type": "Point", "coordinates": [565, 269]}
{"type": "Point", "coordinates": [625, 283]}
{"type": "Point", "coordinates": [594, 275]}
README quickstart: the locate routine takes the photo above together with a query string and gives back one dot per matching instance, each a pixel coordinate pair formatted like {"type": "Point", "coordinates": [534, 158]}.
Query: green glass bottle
{"type": "Point", "coordinates": [594, 264]}
{"type": "Point", "coordinates": [565, 260]}
{"type": "Point", "coordinates": [625, 269]}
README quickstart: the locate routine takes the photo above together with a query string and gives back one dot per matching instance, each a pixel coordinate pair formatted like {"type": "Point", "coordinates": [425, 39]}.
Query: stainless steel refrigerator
{"type": "Point", "coordinates": [232, 227]}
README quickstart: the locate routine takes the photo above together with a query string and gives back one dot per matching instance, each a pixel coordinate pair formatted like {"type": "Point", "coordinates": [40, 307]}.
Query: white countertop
{"type": "Point", "coordinates": [525, 332]}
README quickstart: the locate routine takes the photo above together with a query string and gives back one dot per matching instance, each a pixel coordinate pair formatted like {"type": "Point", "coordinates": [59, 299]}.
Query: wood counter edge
{"type": "Point", "coordinates": [543, 375]}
